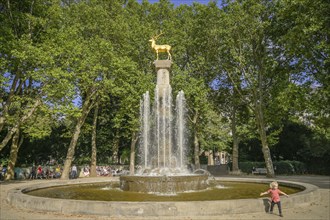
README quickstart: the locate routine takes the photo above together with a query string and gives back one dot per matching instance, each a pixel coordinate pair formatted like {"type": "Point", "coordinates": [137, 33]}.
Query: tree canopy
{"type": "Point", "coordinates": [255, 73]}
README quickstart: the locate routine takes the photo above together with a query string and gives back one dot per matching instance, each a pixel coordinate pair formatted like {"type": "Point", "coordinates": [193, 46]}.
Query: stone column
{"type": "Point", "coordinates": [163, 113]}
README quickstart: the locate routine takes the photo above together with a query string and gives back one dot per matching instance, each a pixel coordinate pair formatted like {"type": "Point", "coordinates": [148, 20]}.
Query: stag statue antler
{"type": "Point", "coordinates": [160, 48]}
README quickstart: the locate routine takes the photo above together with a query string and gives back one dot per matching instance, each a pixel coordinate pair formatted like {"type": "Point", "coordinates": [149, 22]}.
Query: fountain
{"type": "Point", "coordinates": [163, 160]}
{"type": "Point", "coordinates": [163, 145]}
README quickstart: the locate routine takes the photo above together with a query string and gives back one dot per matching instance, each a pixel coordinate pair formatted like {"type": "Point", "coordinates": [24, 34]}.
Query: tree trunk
{"type": "Point", "coordinates": [264, 142]}
{"type": "Point", "coordinates": [8, 137]}
{"type": "Point", "coordinates": [235, 167]}
{"type": "Point", "coordinates": [94, 149]}
{"type": "Point", "coordinates": [14, 129]}
{"type": "Point", "coordinates": [196, 151]}
{"type": "Point", "coordinates": [71, 150]}
{"type": "Point", "coordinates": [196, 142]}
{"type": "Point", "coordinates": [132, 154]}
{"type": "Point", "coordinates": [115, 151]}
{"type": "Point", "coordinates": [8, 101]}
{"type": "Point", "coordinates": [16, 143]}
{"type": "Point", "coordinates": [87, 106]}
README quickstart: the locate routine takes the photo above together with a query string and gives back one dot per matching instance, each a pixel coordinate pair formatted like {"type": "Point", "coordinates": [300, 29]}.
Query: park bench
{"type": "Point", "coordinates": [259, 171]}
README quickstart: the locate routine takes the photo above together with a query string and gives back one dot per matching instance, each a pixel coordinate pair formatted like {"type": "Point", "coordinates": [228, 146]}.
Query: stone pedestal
{"type": "Point", "coordinates": [163, 72]}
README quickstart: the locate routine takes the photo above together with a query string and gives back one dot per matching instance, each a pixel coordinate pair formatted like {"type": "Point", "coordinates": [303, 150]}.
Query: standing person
{"type": "Point", "coordinates": [73, 172]}
{"type": "Point", "coordinates": [33, 173]}
{"type": "Point", "coordinates": [275, 197]}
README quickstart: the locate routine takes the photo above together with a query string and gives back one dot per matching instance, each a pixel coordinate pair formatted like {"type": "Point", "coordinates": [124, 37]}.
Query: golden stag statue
{"type": "Point", "coordinates": [160, 48]}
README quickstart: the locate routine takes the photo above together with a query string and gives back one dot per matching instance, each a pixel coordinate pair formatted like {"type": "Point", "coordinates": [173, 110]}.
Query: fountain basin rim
{"type": "Point", "coordinates": [17, 198]}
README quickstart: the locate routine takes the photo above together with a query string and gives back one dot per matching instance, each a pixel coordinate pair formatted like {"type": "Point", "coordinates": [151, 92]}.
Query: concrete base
{"type": "Point", "coordinates": [17, 198]}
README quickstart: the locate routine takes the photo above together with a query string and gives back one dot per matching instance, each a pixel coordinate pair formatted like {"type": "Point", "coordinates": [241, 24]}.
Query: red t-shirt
{"type": "Point", "coordinates": [274, 194]}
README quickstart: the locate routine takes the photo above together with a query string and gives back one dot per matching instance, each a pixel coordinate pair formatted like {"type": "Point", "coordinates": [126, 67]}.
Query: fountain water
{"type": "Point", "coordinates": [163, 145]}
{"type": "Point", "coordinates": [163, 142]}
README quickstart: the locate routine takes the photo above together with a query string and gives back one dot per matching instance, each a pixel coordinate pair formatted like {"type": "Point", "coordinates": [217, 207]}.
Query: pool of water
{"type": "Point", "coordinates": [111, 192]}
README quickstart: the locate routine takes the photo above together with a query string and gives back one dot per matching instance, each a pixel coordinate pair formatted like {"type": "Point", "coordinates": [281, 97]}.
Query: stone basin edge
{"type": "Point", "coordinates": [18, 199]}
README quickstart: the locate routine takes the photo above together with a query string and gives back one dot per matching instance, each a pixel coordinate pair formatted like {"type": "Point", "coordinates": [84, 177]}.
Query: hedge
{"type": "Point", "coordinates": [280, 167]}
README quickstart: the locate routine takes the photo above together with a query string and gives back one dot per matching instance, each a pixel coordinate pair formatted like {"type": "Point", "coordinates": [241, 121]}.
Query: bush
{"type": "Point", "coordinates": [286, 167]}
{"type": "Point", "coordinates": [289, 167]}
{"type": "Point", "coordinates": [300, 167]}
{"type": "Point", "coordinates": [283, 167]}
{"type": "Point", "coordinates": [246, 167]}
{"type": "Point", "coordinates": [320, 167]}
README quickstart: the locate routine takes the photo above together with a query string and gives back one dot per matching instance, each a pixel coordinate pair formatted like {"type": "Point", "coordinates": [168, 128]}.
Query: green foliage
{"type": "Point", "coordinates": [226, 60]}
{"type": "Point", "coordinates": [299, 142]}
{"type": "Point", "coordinates": [216, 132]}
{"type": "Point", "coordinates": [4, 161]}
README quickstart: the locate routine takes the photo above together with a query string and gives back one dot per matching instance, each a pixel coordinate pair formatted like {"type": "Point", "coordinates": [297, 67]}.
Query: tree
{"type": "Point", "coordinates": [236, 114]}
{"type": "Point", "coordinates": [21, 84]}
{"type": "Point", "coordinates": [248, 60]}
{"type": "Point", "coordinates": [82, 50]}
{"type": "Point", "coordinates": [28, 71]}
{"type": "Point", "coordinates": [196, 94]}
{"type": "Point", "coordinates": [302, 30]}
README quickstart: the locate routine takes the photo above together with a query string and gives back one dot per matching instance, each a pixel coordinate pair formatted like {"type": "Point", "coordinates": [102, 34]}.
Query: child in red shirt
{"type": "Point", "coordinates": [275, 197]}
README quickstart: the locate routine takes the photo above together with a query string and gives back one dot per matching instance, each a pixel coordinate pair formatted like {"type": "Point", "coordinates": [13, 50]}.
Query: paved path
{"type": "Point", "coordinates": [322, 182]}
{"type": "Point", "coordinates": [318, 210]}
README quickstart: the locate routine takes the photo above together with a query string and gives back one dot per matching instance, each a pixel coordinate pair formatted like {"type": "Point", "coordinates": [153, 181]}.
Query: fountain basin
{"type": "Point", "coordinates": [163, 210]}
{"type": "Point", "coordinates": [163, 184]}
